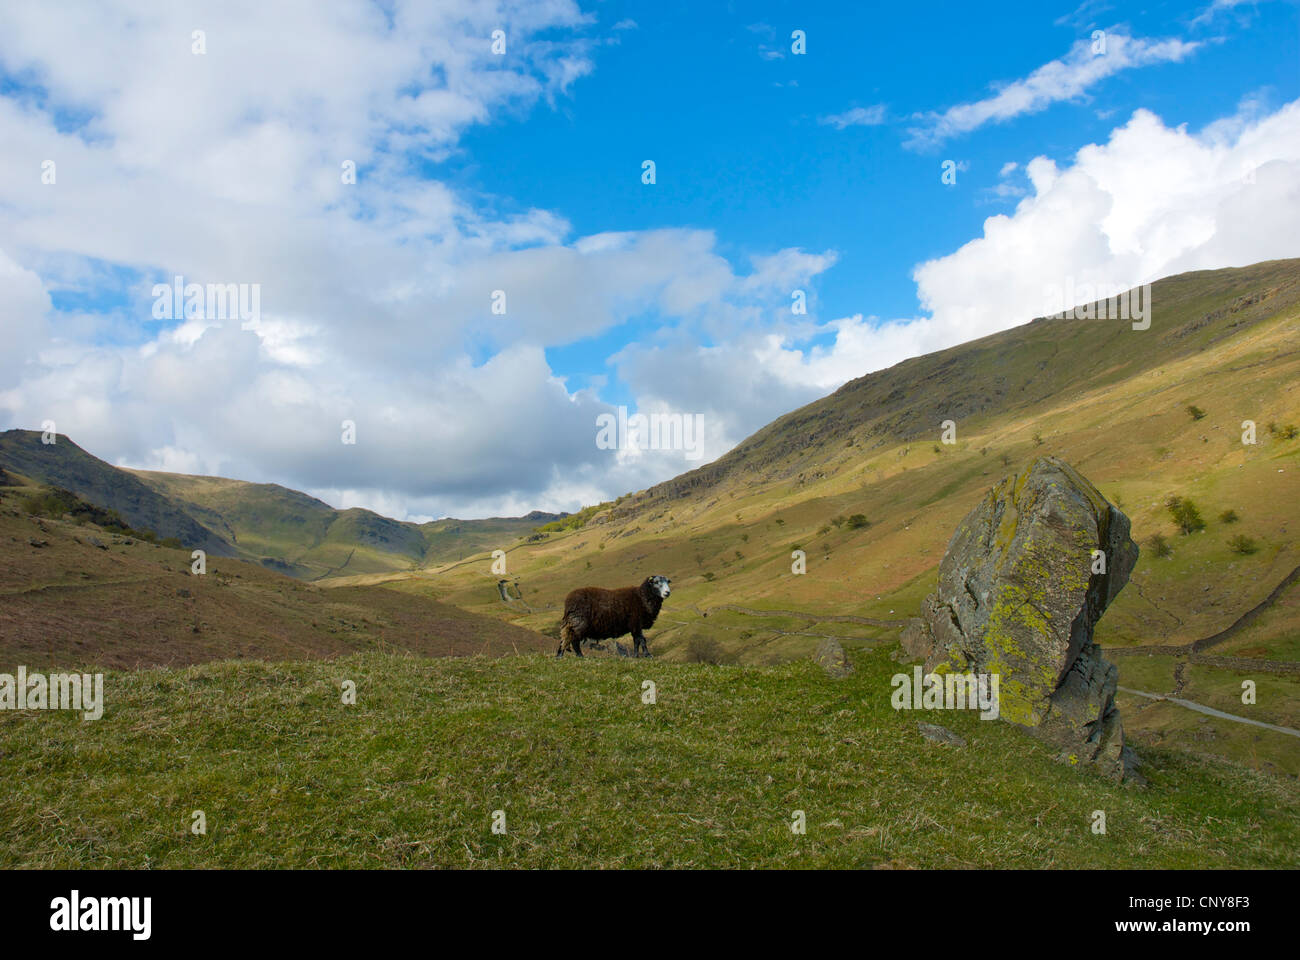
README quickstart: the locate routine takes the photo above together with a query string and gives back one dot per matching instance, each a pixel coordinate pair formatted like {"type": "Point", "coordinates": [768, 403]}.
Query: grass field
{"type": "Point", "coordinates": [588, 775]}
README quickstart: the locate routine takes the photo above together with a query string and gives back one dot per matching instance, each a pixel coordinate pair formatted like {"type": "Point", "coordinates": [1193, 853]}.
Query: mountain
{"type": "Point", "coordinates": [990, 380]}
{"type": "Point", "coordinates": [307, 538]}
{"type": "Point", "coordinates": [281, 528]}
{"type": "Point", "coordinates": [64, 464]}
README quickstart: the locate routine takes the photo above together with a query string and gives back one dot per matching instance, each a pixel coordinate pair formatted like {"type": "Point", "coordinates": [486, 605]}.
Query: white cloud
{"type": "Point", "coordinates": [1151, 202]}
{"type": "Point", "coordinates": [1057, 80]}
{"type": "Point", "coordinates": [856, 117]}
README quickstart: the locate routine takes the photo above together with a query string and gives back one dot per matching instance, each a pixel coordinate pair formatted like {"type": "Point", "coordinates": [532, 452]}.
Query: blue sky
{"type": "Point", "coordinates": [774, 171]}
{"type": "Point", "coordinates": [740, 149]}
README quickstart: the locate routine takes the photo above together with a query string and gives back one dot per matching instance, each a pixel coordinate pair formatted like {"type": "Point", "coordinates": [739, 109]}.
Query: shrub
{"type": "Point", "coordinates": [1185, 514]}
{"type": "Point", "coordinates": [1196, 412]}
{"type": "Point", "coordinates": [710, 576]}
{"type": "Point", "coordinates": [57, 503]}
{"type": "Point", "coordinates": [1160, 546]}
{"type": "Point", "coordinates": [858, 520]}
{"type": "Point", "coordinates": [1229, 516]}
{"type": "Point", "coordinates": [704, 650]}
{"type": "Point", "coordinates": [1243, 545]}
{"type": "Point", "coordinates": [824, 529]}
{"type": "Point", "coordinates": [572, 522]}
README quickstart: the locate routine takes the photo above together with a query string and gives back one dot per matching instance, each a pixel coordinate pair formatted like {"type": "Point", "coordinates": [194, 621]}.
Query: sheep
{"type": "Point", "coordinates": [594, 613]}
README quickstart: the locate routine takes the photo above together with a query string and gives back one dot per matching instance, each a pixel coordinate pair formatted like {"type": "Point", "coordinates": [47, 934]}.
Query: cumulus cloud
{"type": "Point", "coordinates": [1064, 79]}
{"type": "Point", "coordinates": [376, 297]}
{"type": "Point", "coordinates": [1151, 202]}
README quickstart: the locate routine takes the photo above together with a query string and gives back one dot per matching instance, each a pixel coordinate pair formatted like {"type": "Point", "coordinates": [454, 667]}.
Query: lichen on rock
{"type": "Point", "coordinates": [1020, 591]}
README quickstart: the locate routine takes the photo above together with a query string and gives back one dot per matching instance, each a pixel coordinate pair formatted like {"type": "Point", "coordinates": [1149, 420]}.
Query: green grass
{"type": "Point", "coordinates": [588, 775]}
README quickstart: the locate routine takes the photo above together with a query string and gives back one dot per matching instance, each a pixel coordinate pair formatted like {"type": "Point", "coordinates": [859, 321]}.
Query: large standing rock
{"type": "Point", "coordinates": [1017, 597]}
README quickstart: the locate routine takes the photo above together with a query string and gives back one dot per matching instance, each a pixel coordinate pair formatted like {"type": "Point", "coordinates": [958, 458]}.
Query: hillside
{"type": "Point", "coordinates": [588, 776]}
{"type": "Point", "coordinates": [307, 538]}
{"type": "Point", "coordinates": [862, 483]}
{"type": "Point", "coordinates": [283, 529]}
{"type": "Point", "coordinates": [1227, 342]}
{"type": "Point", "coordinates": [996, 379]}
{"type": "Point", "coordinates": [64, 464]}
{"type": "Point", "coordinates": [72, 593]}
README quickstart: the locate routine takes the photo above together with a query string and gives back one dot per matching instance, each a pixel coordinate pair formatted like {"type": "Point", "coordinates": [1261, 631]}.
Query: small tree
{"type": "Point", "coordinates": [858, 520]}
{"type": "Point", "coordinates": [1196, 412]}
{"type": "Point", "coordinates": [1185, 515]}
{"type": "Point", "coordinates": [1229, 516]}
{"type": "Point", "coordinates": [1160, 546]}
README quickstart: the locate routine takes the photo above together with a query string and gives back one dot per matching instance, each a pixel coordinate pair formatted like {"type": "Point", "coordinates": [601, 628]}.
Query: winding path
{"type": "Point", "coordinates": [1202, 708]}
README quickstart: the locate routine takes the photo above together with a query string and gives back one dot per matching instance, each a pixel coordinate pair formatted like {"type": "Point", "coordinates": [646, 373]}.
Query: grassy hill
{"type": "Point", "coordinates": [75, 593]}
{"type": "Point", "coordinates": [588, 775]}
{"type": "Point", "coordinates": [64, 464]}
{"type": "Point", "coordinates": [1110, 400]}
{"type": "Point", "coordinates": [861, 482]}
{"type": "Point", "coordinates": [307, 538]}
{"type": "Point", "coordinates": [283, 529]}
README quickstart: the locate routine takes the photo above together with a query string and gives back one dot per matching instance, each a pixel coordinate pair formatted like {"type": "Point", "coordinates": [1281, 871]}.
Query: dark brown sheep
{"type": "Point", "coordinates": [594, 613]}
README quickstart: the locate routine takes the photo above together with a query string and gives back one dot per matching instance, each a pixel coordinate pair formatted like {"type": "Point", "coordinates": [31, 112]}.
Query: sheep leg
{"type": "Point", "coordinates": [638, 644]}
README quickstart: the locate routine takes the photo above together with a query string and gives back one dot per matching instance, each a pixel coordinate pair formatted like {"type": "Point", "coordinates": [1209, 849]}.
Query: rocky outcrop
{"type": "Point", "coordinates": [831, 657]}
{"type": "Point", "coordinates": [1025, 579]}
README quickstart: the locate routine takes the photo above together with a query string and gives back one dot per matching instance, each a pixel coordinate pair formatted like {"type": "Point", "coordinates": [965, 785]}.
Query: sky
{"type": "Point", "coordinates": [454, 262]}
